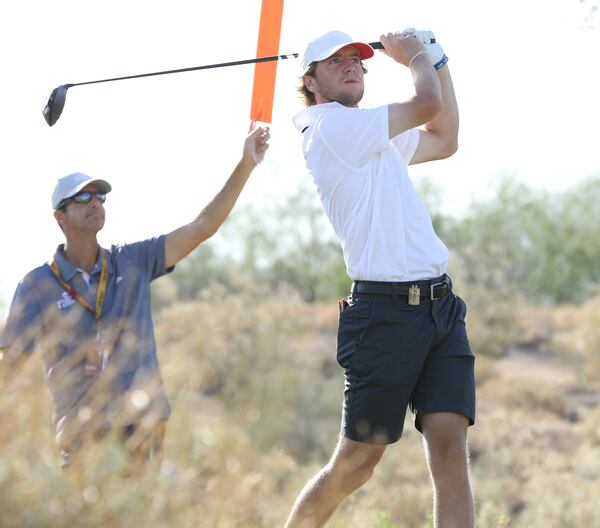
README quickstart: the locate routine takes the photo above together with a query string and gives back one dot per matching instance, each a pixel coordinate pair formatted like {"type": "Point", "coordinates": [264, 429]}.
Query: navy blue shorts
{"type": "Point", "coordinates": [397, 355]}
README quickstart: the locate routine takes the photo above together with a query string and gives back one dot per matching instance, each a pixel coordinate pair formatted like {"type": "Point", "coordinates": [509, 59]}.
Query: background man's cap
{"type": "Point", "coordinates": [70, 185]}
{"type": "Point", "coordinates": [326, 45]}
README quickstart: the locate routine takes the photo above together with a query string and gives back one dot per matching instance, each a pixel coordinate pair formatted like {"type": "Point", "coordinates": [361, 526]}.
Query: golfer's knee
{"type": "Point", "coordinates": [352, 474]}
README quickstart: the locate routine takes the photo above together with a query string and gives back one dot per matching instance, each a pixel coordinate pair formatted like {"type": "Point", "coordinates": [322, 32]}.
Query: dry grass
{"type": "Point", "coordinates": [256, 397]}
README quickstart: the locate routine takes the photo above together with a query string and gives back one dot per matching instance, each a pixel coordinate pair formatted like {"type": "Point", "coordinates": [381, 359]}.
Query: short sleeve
{"type": "Point", "coordinates": [407, 143]}
{"type": "Point", "coordinates": [148, 255]}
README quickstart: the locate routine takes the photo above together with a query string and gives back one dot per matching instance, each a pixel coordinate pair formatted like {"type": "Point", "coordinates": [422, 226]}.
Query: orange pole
{"type": "Point", "coordinates": [269, 31]}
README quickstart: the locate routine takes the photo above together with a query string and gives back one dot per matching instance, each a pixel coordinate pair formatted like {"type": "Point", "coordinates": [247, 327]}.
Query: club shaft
{"type": "Point", "coordinates": [193, 68]}
{"type": "Point", "coordinates": [375, 45]}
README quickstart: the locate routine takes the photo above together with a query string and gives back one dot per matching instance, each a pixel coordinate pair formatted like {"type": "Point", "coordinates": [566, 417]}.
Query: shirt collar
{"type": "Point", "coordinates": [308, 116]}
{"type": "Point", "coordinates": [68, 270]}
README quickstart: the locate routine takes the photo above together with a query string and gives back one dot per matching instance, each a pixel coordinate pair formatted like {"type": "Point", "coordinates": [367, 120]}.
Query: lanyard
{"type": "Point", "coordinates": [95, 357]}
{"type": "Point", "coordinates": [97, 312]}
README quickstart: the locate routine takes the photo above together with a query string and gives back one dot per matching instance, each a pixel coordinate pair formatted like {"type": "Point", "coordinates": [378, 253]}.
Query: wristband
{"type": "Point", "coordinates": [441, 63]}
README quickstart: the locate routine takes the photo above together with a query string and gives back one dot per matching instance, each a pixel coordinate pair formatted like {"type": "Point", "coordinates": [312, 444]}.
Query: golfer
{"type": "Point", "coordinates": [401, 336]}
{"type": "Point", "coordinates": [89, 311]}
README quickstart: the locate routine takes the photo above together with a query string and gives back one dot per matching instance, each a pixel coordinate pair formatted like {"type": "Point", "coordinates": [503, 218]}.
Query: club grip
{"type": "Point", "coordinates": [379, 45]}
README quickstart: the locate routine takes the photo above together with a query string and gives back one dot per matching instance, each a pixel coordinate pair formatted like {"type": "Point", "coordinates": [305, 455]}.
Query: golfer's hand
{"type": "Point", "coordinates": [256, 143]}
{"type": "Point", "coordinates": [434, 50]}
{"type": "Point", "coordinates": [401, 46]}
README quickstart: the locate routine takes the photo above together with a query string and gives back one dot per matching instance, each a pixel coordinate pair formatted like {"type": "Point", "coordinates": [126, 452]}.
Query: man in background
{"type": "Point", "coordinates": [89, 311]}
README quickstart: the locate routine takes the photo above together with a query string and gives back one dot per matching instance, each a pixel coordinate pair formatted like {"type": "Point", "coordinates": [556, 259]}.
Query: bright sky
{"type": "Point", "coordinates": [525, 73]}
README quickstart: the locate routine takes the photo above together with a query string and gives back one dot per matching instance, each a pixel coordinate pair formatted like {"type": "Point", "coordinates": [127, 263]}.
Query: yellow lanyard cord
{"type": "Point", "coordinates": [77, 296]}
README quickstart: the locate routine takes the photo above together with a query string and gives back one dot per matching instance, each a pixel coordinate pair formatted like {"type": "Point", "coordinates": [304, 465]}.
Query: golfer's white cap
{"type": "Point", "coordinates": [70, 185]}
{"type": "Point", "coordinates": [327, 44]}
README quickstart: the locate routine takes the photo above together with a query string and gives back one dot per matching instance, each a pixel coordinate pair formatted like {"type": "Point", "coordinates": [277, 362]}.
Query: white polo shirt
{"type": "Point", "coordinates": [362, 179]}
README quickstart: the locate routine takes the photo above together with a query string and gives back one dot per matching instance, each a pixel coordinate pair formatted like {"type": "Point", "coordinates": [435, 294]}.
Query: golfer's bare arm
{"type": "Point", "coordinates": [181, 241]}
{"type": "Point", "coordinates": [426, 102]}
{"type": "Point", "coordinates": [438, 139]}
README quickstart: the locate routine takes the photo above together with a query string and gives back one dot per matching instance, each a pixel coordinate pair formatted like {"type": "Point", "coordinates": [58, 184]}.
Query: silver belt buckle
{"type": "Point", "coordinates": [431, 290]}
{"type": "Point", "coordinates": [414, 295]}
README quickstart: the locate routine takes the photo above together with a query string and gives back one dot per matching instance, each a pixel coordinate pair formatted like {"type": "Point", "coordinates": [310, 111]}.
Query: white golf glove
{"type": "Point", "coordinates": [434, 50]}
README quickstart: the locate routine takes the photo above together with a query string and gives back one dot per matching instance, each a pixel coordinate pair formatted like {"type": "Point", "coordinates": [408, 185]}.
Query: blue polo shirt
{"type": "Point", "coordinates": [44, 315]}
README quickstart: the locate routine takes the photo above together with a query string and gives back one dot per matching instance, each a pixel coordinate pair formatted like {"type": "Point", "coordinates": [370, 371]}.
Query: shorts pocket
{"type": "Point", "coordinates": [352, 325]}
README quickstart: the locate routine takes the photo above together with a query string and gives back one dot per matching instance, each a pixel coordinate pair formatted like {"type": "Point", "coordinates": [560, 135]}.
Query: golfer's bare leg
{"type": "Point", "coordinates": [351, 465]}
{"type": "Point", "coordinates": [445, 440]}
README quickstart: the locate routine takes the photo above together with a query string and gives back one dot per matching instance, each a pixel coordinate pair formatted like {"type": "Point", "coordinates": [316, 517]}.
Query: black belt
{"type": "Point", "coordinates": [414, 291]}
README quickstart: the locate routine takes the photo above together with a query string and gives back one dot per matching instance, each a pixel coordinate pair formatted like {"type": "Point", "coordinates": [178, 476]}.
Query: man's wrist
{"type": "Point", "coordinates": [247, 164]}
{"type": "Point", "coordinates": [416, 55]}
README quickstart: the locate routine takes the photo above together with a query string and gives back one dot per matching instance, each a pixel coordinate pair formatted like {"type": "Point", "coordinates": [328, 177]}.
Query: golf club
{"type": "Point", "coordinates": [57, 99]}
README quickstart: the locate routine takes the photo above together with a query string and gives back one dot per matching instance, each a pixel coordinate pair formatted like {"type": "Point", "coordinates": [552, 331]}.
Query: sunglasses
{"type": "Point", "coordinates": [84, 197]}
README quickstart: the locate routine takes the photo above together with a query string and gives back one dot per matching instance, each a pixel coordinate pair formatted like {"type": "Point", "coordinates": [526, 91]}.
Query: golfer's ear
{"type": "Point", "coordinates": [309, 82]}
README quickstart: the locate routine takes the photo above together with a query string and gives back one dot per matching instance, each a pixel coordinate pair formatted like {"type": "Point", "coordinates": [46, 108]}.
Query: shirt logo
{"type": "Point", "coordinates": [65, 302]}
{"type": "Point", "coordinates": [119, 279]}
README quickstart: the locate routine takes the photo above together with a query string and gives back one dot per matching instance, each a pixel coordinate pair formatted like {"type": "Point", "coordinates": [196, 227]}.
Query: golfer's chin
{"type": "Point", "coordinates": [351, 97]}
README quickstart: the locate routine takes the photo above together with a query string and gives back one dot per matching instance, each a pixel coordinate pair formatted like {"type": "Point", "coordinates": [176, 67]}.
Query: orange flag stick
{"type": "Point", "coordinates": [269, 31]}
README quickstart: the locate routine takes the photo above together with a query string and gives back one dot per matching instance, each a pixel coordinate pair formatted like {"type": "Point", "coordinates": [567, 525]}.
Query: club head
{"type": "Point", "coordinates": [55, 104]}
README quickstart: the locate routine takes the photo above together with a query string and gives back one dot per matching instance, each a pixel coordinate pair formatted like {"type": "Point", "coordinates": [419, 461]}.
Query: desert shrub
{"type": "Point", "coordinates": [578, 338]}
{"type": "Point", "coordinates": [491, 299]}
{"type": "Point", "coordinates": [549, 241]}
{"type": "Point", "coordinates": [247, 350]}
